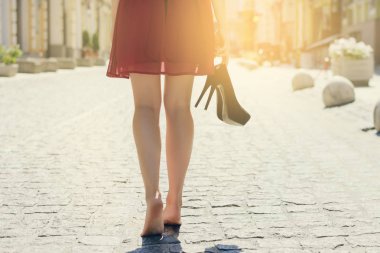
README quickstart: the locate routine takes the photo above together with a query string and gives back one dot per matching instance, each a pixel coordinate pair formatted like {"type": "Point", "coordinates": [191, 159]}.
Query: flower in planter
{"type": "Point", "coordinates": [350, 48]}
{"type": "Point", "coordinates": [8, 56]}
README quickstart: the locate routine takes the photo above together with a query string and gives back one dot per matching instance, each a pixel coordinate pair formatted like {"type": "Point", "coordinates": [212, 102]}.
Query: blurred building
{"type": "Point", "coordinates": [8, 22]}
{"type": "Point", "coordinates": [324, 20]}
{"type": "Point", "coordinates": [54, 28]}
{"type": "Point", "coordinates": [319, 22]}
{"type": "Point", "coordinates": [296, 28]}
{"type": "Point", "coordinates": [267, 33]}
{"type": "Point", "coordinates": [241, 21]}
{"type": "Point", "coordinates": [361, 19]}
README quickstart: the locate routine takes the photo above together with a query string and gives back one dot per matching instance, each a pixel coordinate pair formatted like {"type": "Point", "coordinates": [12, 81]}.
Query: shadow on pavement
{"type": "Point", "coordinates": [159, 244]}
{"type": "Point", "coordinates": [169, 243]}
{"type": "Point", "coordinates": [223, 248]}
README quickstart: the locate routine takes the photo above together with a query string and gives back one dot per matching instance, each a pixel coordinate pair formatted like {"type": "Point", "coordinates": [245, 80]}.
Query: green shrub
{"type": "Point", "coordinates": [86, 42]}
{"type": "Point", "coordinates": [95, 42]}
{"type": "Point", "coordinates": [8, 56]}
{"type": "Point", "coordinates": [2, 52]}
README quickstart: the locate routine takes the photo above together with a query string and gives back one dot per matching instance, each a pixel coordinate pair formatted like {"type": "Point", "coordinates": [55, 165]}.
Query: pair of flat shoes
{"type": "Point", "coordinates": [172, 229]}
{"type": "Point", "coordinates": [167, 226]}
{"type": "Point", "coordinates": [169, 236]}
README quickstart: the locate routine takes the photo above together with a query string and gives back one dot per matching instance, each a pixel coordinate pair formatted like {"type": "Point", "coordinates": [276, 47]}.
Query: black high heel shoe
{"type": "Point", "coordinates": [228, 108]}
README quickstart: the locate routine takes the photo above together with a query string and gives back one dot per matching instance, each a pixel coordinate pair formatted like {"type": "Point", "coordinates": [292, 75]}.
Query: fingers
{"type": "Point", "coordinates": [224, 54]}
{"type": "Point", "coordinates": [225, 59]}
{"type": "Point", "coordinates": [222, 47]}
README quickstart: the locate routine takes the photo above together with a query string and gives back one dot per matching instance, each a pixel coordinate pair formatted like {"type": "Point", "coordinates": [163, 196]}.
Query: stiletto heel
{"type": "Point", "coordinates": [219, 105]}
{"type": "Point", "coordinates": [209, 97]}
{"type": "Point", "coordinates": [207, 85]}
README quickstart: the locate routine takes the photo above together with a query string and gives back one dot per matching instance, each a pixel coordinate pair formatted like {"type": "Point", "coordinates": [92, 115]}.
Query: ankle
{"type": "Point", "coordinates": [177, 202]}
{"type": "Point", "coordinates": [151, 199]}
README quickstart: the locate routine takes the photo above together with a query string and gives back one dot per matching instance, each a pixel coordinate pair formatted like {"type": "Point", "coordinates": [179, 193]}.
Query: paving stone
{"type": "Point", "coordinates": [298, 178]}
{"type": "Point", "coordinates": [323, 243]}
{"type": "Point", "coordinates": [365, 240]}
{"type": "Point", "coordinates": [279, 243]}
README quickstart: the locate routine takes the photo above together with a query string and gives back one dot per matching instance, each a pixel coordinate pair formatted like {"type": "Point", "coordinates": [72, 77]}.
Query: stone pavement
{"type": "Point", "coordinates": [296, 178]}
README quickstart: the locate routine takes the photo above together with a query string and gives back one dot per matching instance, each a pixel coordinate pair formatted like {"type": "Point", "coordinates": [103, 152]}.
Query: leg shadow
{"type": "Point", "coordinates": [224, 248]}
{"type": "Point", "coordinates": [167, 243]}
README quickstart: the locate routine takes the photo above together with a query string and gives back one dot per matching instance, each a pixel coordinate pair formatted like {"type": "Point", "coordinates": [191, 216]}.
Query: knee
{"type": "Point", "coordinates": [173, 108]}
{"type": "Point", "coordinates": [152, 110]}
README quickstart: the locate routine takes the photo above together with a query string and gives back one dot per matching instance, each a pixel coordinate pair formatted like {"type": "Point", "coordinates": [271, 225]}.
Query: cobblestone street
{"type": "Point", "coordinates": [297, 178]}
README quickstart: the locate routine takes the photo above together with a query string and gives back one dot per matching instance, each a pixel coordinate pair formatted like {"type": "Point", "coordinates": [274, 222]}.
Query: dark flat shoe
{"type": "Point", "coordinates": [172, 224]}
{"type": "Point", "coordinates": [151, 239]}
{"type": "Point", "coordinates": [158, 239]}
{"type": "Point", "coordinates": [172, 229]}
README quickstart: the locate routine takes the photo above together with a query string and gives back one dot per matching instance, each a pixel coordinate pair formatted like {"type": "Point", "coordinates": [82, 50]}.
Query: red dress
{"type": "Point", "coordinates": [173, 37]}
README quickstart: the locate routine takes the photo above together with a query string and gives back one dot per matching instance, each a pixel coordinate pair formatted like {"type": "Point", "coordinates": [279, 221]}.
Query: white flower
{"type": "Point", "coordinates": [350, 48]}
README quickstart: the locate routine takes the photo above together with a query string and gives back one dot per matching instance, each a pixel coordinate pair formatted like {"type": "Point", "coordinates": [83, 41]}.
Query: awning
{"type": "Point", "coordinates": [323, 42]}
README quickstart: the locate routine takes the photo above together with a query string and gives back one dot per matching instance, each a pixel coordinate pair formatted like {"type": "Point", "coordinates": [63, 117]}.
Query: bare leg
{"type": "Point", "coordinates": [179, 140]}
{"type": "Point", "coordinates": [146, 131]}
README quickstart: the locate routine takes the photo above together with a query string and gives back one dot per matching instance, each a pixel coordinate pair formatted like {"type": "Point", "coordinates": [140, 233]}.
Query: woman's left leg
{"type": "Point", "coordinates": [146, 131]}
{"type": "Point", "coordinates": [179, 140]}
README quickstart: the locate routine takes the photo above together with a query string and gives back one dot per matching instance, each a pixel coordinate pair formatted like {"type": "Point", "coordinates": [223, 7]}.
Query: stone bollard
{"type": "Point", "coordinates": [376, 116]}
{"type": "Point", "coordinates": [302, 80]}
{"type": "Point", "coordinates": [338, 91]}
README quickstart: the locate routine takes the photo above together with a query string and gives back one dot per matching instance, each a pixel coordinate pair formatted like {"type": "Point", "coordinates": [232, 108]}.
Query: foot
{"type": "Point", "coordinates": [172, 213]}
{"type": "Point", "coordinates": [153, 218]}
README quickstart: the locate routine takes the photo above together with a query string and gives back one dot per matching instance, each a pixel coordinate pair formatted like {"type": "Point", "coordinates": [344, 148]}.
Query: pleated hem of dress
{"type": "Point", "coordinates": [127, 73]}
{"type": "Point", "coordinates": [142, 69]}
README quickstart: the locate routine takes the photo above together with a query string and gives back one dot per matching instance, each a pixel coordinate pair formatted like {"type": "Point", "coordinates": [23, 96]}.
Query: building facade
{"type": "Point", "coordinates": [361, 20]}
{"type": "Point", "coordinates": [333, 19]}
{"type": "Point", "coordinates": [8, 22]}
{"type": "Point", "coordinates": [241, 21]}
{"type": "Point", "coordinates": [46, 28]}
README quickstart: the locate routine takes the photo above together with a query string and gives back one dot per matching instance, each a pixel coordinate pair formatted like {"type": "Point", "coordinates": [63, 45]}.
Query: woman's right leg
{"type": "Point", "coordinates": [146, 131]}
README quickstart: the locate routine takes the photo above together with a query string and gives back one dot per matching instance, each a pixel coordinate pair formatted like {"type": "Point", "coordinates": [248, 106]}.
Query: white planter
{"type": "Point", "coordinates": [336, 66]}
{"type": "Point", "coordinates": [29, 65]}
{"type": "Point", "coordinates": [66, 63]}
{"type": "Point", "coordinates": [359, 72]}
{"type": "Point", "coordinates": [8, 70]}
{"type": "Point", "coordinates": [100, 62]}
{"type": "Point", "coordinates": [49, 64]}
{"type": "Point", "coordinates": [85, 62]}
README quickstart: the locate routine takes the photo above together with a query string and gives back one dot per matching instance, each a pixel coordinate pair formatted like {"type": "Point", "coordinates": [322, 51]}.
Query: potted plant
{"type": "Point", "coordinates": [99, 61]}
{"type": "Point", "coordinates": [87, 59]}
{"type": "Point", "coordinates": [353, 60]}
{"type": "Point", "coordinates": [95, 44]}
{"type": "Point", "coordinates": [8, 65]}
{"type": "Point", "coordinates": [87, 45]}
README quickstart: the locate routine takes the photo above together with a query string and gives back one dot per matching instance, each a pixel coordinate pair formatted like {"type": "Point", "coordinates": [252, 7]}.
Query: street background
{"type": "Point", "coordinates": [298, 177]}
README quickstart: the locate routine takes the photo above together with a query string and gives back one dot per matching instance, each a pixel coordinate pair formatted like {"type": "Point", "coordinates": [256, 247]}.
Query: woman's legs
{"type": "Point", "coordinates": [146, 131]}
{"type": "Point", "coordinates": [179, 140]}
